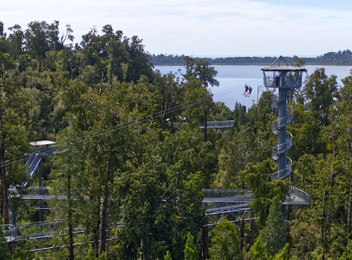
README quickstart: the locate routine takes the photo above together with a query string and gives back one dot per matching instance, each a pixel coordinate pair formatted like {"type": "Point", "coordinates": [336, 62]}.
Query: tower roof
{"type": "Point", "coordinates": [41, 143]}
{"type": "Point", "coordinates": [281, 64]}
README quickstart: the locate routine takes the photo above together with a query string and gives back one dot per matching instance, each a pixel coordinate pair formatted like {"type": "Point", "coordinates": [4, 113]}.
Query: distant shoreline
{"type": "Point", "coordinates": [306, 64]}
{"type": "Point", "coordinates": [340, 58]}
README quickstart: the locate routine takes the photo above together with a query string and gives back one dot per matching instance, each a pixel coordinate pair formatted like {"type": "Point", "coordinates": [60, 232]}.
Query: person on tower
{"type": "Point", "coordinates": [277, 79]}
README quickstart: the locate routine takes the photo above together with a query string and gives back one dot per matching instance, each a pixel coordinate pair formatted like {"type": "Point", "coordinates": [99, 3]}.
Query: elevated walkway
{"type": "Point", "coordinates": [217, 202]}
{"type": "Point", "coordinates": [219, 124]}
{"type": "Point", "coordinates": [42, 149]}
{"type": "Point", "coordinates": [39, 230]}
{"type": "Point", "coordinates": [297, 197]}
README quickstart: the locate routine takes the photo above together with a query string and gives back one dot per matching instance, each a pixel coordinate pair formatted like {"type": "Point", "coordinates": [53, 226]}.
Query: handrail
{"type": "Point", "coordinates": [219, 124]}
{"type": "Point", "coordinates": [282, 148]}
{"type": "Point", "coordinates": [284, 173]}
{"type": "Point", "coordinates": [289, 81]}
{"type": "Point", "coordinates": [281, 122]}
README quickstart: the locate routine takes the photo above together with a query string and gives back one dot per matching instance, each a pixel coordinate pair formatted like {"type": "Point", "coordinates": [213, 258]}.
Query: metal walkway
{"type": "Point", "coordinates": [39, 230]}
{"type": "Point", "coordinates": [218, 202]}
{"type": "Point", "coordinates": [34, 161]}
{"type": "Point", "coordinates": [219, 124]}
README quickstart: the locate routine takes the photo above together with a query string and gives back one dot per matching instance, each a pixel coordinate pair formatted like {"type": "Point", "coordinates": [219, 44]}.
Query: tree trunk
{"type": "Point", "coordinates": [5, 209]}
{"type": "Point", "coordinates": [288, 218]}
{"type": "Point", "coordinates": [252, 226]}
{"type": "Point", "coordinates": [104, 212]}
{"type": "Point", "coordinates": [205, 245]}
{"type": "Point", "coordinates": [242, 234]}
{"type": "Point", "coordinates": [95, 202]}
{"type": "Point", "coordinates": [322, 225]}
{"type": "Point", "coordinates": [349, 211]}
{"type": "Point", "coordinates": [69, 218]}
{"type": "Point", "coordinates": [205, 125]}
{"type": "Point", "coordinates": [163, 113]}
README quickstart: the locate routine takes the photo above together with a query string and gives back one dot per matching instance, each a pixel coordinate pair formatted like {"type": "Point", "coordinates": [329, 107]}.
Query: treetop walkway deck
{"type": "Point", "coordinates": [219, 124]}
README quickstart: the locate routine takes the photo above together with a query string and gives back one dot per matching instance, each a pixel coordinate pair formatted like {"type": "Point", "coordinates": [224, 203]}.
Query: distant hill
{"type": "Point", "coordinates": [330, 58]}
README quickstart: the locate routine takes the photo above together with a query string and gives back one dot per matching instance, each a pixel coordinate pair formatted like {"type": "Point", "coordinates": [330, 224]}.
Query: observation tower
{"type": "Point", "coordinates": [285, 76]}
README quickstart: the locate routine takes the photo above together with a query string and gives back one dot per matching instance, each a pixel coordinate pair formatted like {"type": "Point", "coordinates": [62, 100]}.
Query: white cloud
{"type": "Point", "coordinates": [198, 27]}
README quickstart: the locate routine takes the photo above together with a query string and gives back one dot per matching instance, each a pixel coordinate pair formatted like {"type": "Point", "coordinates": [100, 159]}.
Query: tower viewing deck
{"type": "Point", "coordinates": [283, 74]}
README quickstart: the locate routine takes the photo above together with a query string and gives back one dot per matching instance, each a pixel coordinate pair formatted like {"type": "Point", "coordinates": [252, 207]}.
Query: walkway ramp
{"type": "Point", "coordinates": [297, 197]}
{"type": "Point", "coordinates": [32, 163]}
{"type": "Point", "coordinates": [219, 124]}
{"type": "Point", "coordinates": [225, 201]}
{"type": "Point", "coordinates": [43, 148]}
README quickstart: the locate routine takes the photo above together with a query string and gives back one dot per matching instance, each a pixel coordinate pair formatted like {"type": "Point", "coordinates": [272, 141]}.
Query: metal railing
{"type": "Point", "coordinates": [297, 197]}
{"type": "Point", "coordinates": [284, 173]}
{"type": "Point", "coordinates": [281, 122]}
{"type": "Point", "coordinates": [219, 124]}
{"type": "Point", "coordinates": [276, 151]}
{"type": "Point", "coordinates": [289, 81]}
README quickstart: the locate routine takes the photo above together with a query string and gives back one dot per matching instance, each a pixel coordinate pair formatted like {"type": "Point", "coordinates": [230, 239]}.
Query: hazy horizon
{"type": "Point", "coordinates": [230, 28]}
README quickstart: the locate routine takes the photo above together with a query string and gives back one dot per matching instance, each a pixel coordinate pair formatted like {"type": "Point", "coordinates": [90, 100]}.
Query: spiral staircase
{"type": "Point", "coordinates": [284, 76]}
{"type": "Point", "coordinates": [282, 148]}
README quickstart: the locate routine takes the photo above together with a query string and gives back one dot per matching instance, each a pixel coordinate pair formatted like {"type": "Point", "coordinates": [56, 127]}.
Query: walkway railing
{"type": "Point", "coordinates": [219, 124]}
{"type": "Point", "coordinates": [289, 81]}
{"type": "Point", "coordinates": [281, 122]}
{"type": "Point", "coordinates": [216, 201]}
{"type": "Point", "coordinates": [284, 173]}
{"type": "Point", "coordinates": [276, 151]}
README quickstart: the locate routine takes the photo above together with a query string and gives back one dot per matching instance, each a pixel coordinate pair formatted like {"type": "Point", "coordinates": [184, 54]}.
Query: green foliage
{"type": "Point", "coordinates": [224, 242]}
{"type": "Point", "coordinates": [304, 234]}
{"type": "Point", "coordinates": [320, 92]}
{"type": "Point", "coordinates": [131, 150]}
{"type": "Point", "coordinates": [347, 255]}
{"type": "Point", "coordinates": [167, 256]}
{"type": "Point", "coordinates": [283, 254]}
{"type": "Point", "coordinates": [270, 243]}
{"type": "Point", "coordinates": [191, 251]}
{"type": "Point", "coordinates": [258, 251]}
{"type": "Point", "coordinates": [90, 256]}
{"type": "Point", "coordinates": [274, 232]}
{"type": "Point", "coordinates": [4, 250]}
{"type": "Point", "coordinates": [258, 179]}
{"type": "Point", "coordinates": [200, 70]}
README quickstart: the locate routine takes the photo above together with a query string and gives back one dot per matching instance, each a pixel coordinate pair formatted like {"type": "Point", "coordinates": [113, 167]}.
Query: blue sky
{"type": "Point", "coordinates": [214, 28]}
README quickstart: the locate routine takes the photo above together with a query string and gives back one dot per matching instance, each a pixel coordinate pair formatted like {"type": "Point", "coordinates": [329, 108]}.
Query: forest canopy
{"type": "Point", "coordinates": [132, 162]}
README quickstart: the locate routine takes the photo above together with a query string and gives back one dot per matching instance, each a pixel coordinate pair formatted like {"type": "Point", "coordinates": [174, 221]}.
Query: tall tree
{"type": "Point", "coordinates": [190, 251]}
{"type": "Point", "coordinates": [320, 92]}
{"type": "Point", "coordinates": [258, 179]}
{"type": "Point", "coordinates": [13, 135]}
{"type": "Point", "coordinates": [138, 62]}
{"type": "Point", "coordinates": [200, 70]}
{"type": "Point", "coordinates": [274, 232]}
{"type": "Point", "coordinates": [224, 242]}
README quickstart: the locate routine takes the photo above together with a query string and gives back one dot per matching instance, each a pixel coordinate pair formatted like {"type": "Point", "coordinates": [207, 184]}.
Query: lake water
{"type": "Point", "coordinates": [233, 78]}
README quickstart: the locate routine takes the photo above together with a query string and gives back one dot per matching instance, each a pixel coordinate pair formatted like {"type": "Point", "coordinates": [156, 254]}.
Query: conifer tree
{"type": "Point", "coordinates": [190, 250]}
{"type": "Point", "coordinates": [225, 243]}
{"type": "Point", "coordinates": [274, 231]}
{"type": "Point", "coordinates": [167, 256]}
{"type": "Point", "coordinates": [4, 251]}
